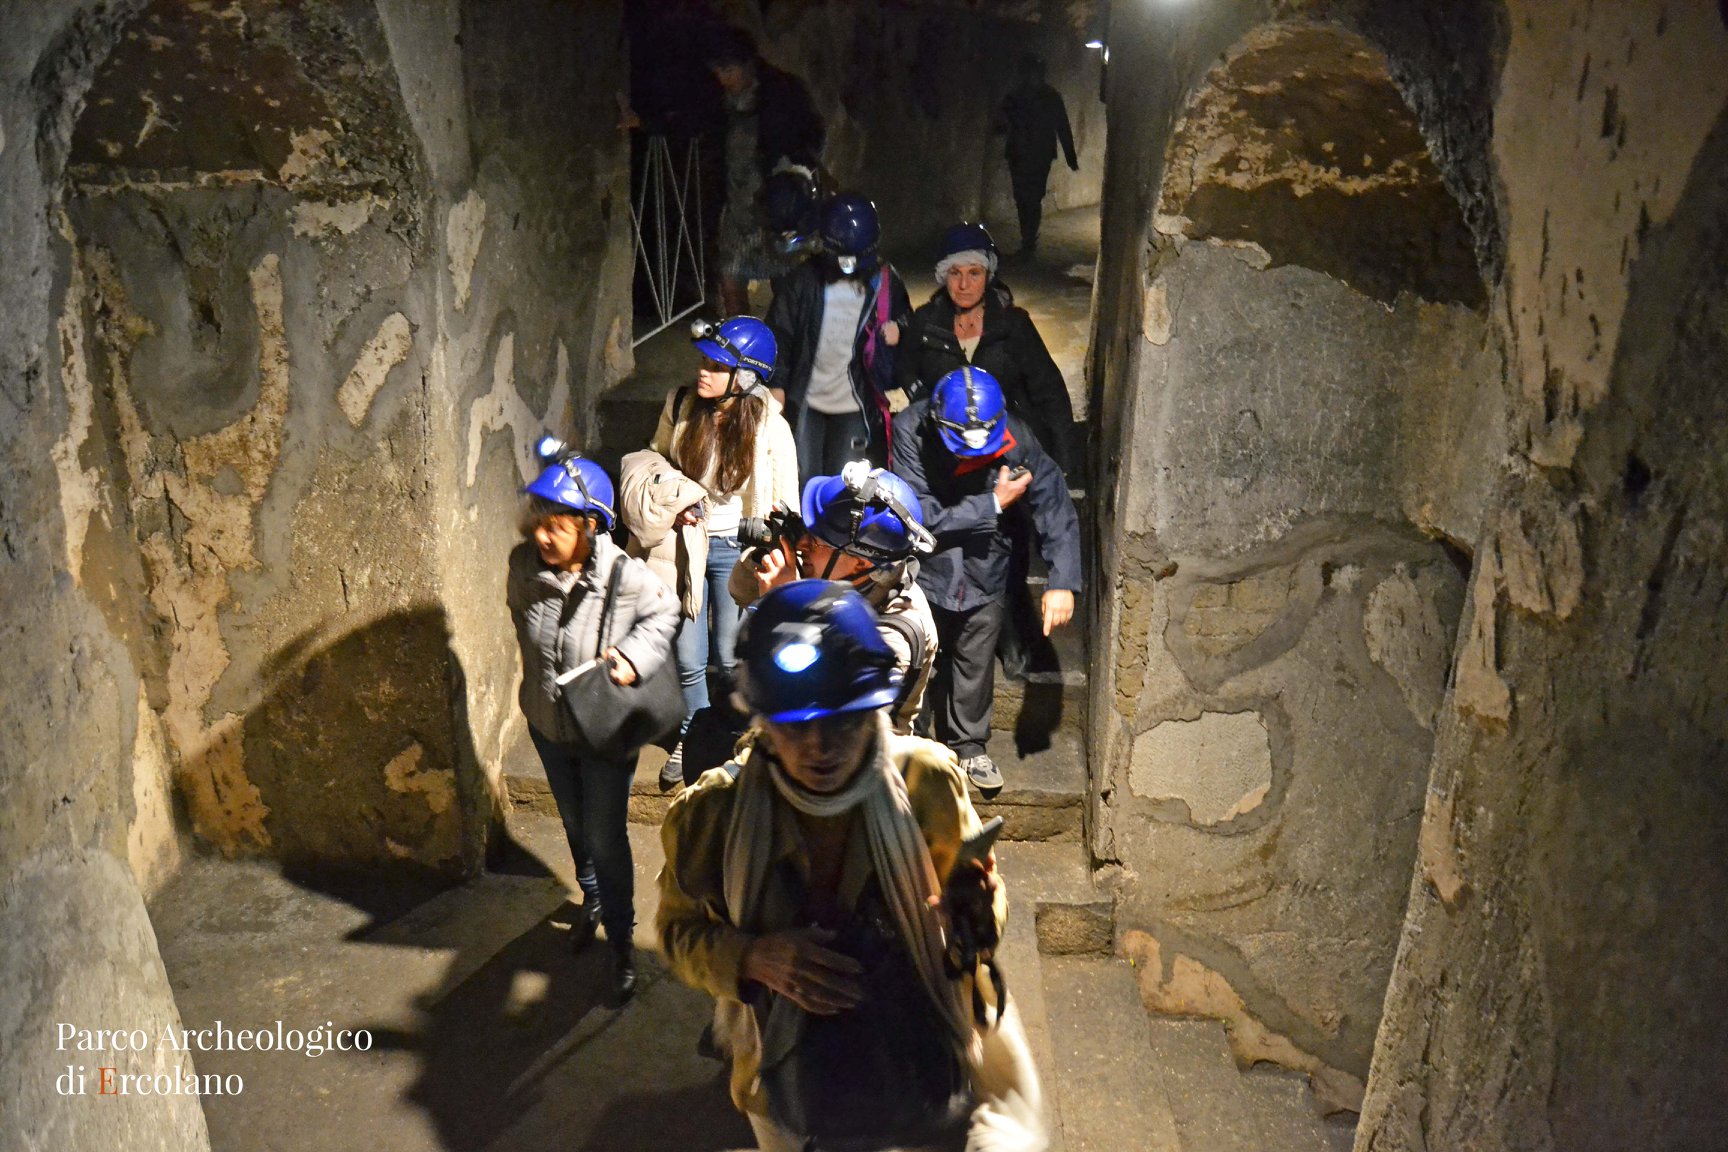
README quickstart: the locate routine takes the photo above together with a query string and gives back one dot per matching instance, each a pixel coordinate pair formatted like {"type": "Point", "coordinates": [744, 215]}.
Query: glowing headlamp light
{"type": "Point", "coordinates": [796, 656]}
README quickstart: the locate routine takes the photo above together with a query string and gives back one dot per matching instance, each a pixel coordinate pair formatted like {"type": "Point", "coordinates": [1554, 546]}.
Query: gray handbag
{"type": "Point", "coordinates": [615, 720]}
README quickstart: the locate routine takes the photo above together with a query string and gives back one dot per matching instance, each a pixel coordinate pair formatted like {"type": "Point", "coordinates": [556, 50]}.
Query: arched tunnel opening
{"type": "Point", "coordinates": [1373, 798]}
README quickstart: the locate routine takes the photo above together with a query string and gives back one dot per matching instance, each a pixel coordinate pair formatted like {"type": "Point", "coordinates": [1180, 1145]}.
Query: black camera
{"type": "Point", "coordinates": [766, 533]}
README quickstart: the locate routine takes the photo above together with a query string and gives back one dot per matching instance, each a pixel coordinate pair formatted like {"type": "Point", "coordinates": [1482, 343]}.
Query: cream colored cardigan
{"type": "Point", "coordinates": [773, 480]}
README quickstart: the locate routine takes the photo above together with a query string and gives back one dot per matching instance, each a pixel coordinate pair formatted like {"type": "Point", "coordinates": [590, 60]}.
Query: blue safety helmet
{"type": "Point", "coordinates": [850, 226]}
{"type": "Point", "coordinates": [574, 481]}
{"type": "Point", "coordinates": [791, 201]}
{"type": "Point", "coordinates": [831, 508]}
{"type": "Point", "coordinates": [969, 413]}
{"type": "Point", "coordinates": [741, 342]}
{"type": "Point", "coordinates": [967, 237]}
{"type": "Point", "coordinates": [811, 649]}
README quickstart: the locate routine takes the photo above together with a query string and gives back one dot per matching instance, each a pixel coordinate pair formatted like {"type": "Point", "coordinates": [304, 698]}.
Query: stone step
{"type": "Point", "coordinates": [1043, 799]}
{"type": "Point", "coordinates": [1044, 794]}
{"type": "Point", "coordinates": [1109, 1090]}
{"type": "Point", "coordinates": [1053, 881]}
{"type": "Point", "coordinates": [1221, 1109]}
{"type": "Point", "coordinates": [1290, 1115]}
{"type": "Point", "coordinates": [1206, 1092]}
{"type": "Point", "coordinates": [1025, 876]}
{"type": "Point", "coordinates": [1043, 703]}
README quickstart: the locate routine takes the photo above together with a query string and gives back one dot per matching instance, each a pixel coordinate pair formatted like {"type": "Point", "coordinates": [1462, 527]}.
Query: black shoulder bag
{"type": "Point", "coordinates": [615, 720]}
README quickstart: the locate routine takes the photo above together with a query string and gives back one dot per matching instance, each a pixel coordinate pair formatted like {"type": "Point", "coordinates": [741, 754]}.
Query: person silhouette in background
{"type": "Point", "coordinates": [771, 122]}
{"type": "Point", "coordinates": [1035, 120]}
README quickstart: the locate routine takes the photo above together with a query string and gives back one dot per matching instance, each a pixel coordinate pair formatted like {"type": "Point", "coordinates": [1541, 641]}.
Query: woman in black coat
{"type": "Point", "coordinates": [972, 320]}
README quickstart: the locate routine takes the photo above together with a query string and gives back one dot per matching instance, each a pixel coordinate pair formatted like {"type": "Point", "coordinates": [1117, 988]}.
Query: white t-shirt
{"type": "Point", "coordinates": [970, 347]}
{"type": "Point", "coordinates": [724, 515]}
{"type": "Point", "coordinates": [830, 390]}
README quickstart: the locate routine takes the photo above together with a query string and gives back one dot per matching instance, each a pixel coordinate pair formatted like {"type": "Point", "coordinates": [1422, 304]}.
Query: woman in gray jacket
{"type": "Point", "coordinates": [556, 591]}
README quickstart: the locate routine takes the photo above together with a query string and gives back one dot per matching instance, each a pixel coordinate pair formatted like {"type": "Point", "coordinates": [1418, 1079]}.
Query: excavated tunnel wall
{"type": "Point", "coordinates": [1405, 334]}
{"type": "Point", "coordinates": [288, 292]}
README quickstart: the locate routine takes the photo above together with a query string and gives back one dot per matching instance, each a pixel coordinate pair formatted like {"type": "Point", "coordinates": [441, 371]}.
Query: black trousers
{"type": "Point", "coordinates": [1029, 183]}
{"type": "Point", "coordinates": [963, 687]}
{"type": "Point", "coordinates": [826, 442]}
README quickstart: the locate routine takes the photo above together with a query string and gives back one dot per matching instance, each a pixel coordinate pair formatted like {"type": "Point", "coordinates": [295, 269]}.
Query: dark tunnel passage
{"type": "Point", "coordinates": [1372, 800]}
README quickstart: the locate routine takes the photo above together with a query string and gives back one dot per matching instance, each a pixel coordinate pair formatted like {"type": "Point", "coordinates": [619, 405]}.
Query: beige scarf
{"type": "Point", "coordinates": [903, 868]}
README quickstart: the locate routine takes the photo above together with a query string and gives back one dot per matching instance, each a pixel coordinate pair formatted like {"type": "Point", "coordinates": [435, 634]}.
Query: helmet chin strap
{"type": "Point", "coordinates": [733, 391]}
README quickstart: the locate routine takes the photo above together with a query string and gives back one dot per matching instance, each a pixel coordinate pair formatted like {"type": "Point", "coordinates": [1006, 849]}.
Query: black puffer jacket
{"type": "Point", "coordinates": [970, 566]}
{"type": "Point", "coordinates": [795, 315]}
{"type": "Point", "coordinates": [1010, 350]}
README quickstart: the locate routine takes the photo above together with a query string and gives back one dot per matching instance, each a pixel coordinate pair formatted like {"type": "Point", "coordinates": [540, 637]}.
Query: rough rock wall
{"type": "Point", "coordinates": [76, 937]}
{"type": "Point", "coordinates": [1560, 952]}
{"type": "Point", "coordinates": [325, 254]}
{"type": "Point", "coordinates": [1309, 396]}
{"type": "Point", "coordinates": [909, 91]}
{"type": "Point", "coordinates": [251, 213]}
{"type": "Point", "coordinates": [1561, 974]}
{"type": "Point", "coordinates": [539, 261]}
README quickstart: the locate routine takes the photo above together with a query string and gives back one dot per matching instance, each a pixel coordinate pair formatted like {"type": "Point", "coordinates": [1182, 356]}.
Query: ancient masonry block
{"type": "Point", "coordinates": [1224, 617]}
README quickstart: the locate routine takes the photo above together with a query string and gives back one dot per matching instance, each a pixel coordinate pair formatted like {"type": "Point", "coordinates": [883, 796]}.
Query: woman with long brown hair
{"type": "Point", "coordinates": [728, 436]}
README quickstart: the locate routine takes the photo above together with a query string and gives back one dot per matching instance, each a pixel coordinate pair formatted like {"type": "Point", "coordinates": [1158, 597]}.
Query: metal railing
{"type": "Point", "coordinates": [669, 257]}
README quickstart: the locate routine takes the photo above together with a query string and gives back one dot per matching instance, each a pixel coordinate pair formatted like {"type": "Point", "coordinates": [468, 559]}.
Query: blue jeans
{"type": "Point", "coordinates": [719, 617]}
{"type": "Point", "coordinates": [593, 797]}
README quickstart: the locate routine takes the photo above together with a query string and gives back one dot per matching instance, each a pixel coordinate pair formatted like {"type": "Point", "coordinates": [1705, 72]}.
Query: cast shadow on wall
{"type": "Point", "coordinates": [362, 754]}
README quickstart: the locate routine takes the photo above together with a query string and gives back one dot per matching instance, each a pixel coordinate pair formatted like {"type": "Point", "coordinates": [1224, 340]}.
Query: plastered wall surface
{"type": "Point", "coordinates": [1309, 301]}
{"type": "Point", "coordinates": [76, 937]}
{"type": "Point", "coordinates": [1546, 450]}
{"type": "Point", "coordinates": [1571, 885]}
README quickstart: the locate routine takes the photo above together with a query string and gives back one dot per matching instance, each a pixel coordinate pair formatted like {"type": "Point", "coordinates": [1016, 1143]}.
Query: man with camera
{"type": "Point", "coordinates": [865, 528]}
{"type": "Point", "coordinates": [974, 465]}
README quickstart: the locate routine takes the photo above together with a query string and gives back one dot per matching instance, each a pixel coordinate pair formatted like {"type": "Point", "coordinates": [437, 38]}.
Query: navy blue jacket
{"type": "Point", "coordinates": [1010, 350]}
{"type": "Point", "coordinates": [970, 566]}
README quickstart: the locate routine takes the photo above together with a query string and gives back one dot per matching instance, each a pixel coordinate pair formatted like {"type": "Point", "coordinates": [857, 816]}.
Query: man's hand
{"type": "Point", "coordinates": [1058, 608]}
{"type": "Point", "coordinates": [773, 570]}
{"type": "Point", "coordinates": [792, 963]}
{"type": "Point", "coordinates": [1010, 488]}
{"type": "Point", "coordinates": [620, 668]}
{"type": "Point", "coordinates": [891, 333]}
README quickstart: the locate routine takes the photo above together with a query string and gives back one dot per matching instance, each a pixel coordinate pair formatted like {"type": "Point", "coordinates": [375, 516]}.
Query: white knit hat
{"type": "Point", "coordinates": [983, 259]}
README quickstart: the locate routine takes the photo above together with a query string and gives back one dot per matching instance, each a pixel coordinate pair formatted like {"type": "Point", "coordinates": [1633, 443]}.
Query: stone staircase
{"type": "Point", "coordinates": [1114, 1076]}
{"type": "Point", "coordinates": [1038, 729]}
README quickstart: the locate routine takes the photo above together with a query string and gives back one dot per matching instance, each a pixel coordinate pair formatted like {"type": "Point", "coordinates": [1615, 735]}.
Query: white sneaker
{"type": "Point", "coordinates": [983, 773]}
{"type": "Point", "coordinates": [672, 772]}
